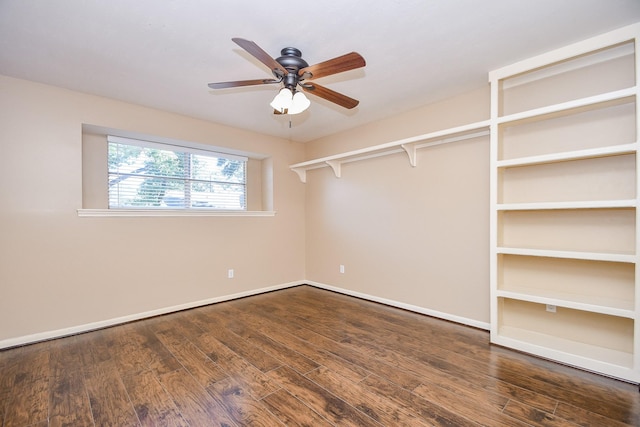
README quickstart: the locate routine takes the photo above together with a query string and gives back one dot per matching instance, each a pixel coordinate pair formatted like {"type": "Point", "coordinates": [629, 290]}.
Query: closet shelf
{"type": "Point", "coordinates": [588, 204]}
{"type": "Point", "coordinates": [407, 145]}
{"type": "Point", "coordinates": [591, 102]}
{"type": "Point", "coordinates": [590, 153]}
{"type": "Point", "coordinates": [608, 306]}
{"type": "Point", "coordinates": [591, 256]}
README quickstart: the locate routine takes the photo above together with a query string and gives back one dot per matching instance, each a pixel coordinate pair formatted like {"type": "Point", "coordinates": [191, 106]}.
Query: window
{"type": "Point", "coordinates": [150, 175]}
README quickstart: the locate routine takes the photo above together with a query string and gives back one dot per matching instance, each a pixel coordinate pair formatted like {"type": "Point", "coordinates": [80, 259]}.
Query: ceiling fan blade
{"type": "Point", "coordinates": [343, 63]}
{"type": "Point", "coordinates": [239, 83]}
{"type": "Point", "coordinates": [330, 95]}
{"type": "Point", "coordinates": [262, 56]}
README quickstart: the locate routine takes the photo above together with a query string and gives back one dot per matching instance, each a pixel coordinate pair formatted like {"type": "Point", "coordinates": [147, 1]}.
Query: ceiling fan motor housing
{"type": "Point", "coordinates": [291, 59]}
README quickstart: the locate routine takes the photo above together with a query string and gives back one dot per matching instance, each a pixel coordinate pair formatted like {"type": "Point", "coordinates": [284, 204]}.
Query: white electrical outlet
{"type": "Point", "coordinates": [551, 308]}
{"type": "Point", "coordinates": [341, 269]}
{"type": "Point", "coordinates": [230, 273]}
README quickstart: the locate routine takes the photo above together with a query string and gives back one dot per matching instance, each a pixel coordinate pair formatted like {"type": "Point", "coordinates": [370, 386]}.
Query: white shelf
{"type": "Point", "coordinates": [589, 204]}
{"type": "Point", "coordinates": [601, 359]}
{"type": "Point", "coordinates": [609, 306]}
{"type": "Point", "coordinates": [596, 101]}
{"type": "Point", "coordinates": [589, 46]}
{"type": "Point", "coordinates": [408, 145]}
{"type": "Point", "coordinates": [592, 256]}
{"type": "Point", "coordinates": [591, 58]}
{"type": "Point", "coordinates": [570, 155]}
{"type": "Point", "coordinates": [597, 293]}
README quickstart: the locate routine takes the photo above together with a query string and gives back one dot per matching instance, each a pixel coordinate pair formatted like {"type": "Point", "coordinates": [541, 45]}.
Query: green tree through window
{"type": "Point", "coordinates": [151, 175]}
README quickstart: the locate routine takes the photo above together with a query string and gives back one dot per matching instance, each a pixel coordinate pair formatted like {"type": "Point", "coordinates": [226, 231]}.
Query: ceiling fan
{"type": "Point", "coordinates": [293, 72]}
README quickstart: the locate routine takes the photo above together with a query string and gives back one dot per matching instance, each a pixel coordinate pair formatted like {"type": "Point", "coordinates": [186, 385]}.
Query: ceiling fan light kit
{"type": "Point", "coordinates": [283, 100]}
{"type": "Point", "coordinates": [299, 103]}
{"type": "Point", "coordinates": [293, 71]}
{"type": "Point", "coordinates": [287, 102]}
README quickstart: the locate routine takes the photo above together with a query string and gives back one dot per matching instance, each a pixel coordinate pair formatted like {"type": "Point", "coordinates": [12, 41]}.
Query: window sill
{"type": "Point", "coordinates": [167, 212]}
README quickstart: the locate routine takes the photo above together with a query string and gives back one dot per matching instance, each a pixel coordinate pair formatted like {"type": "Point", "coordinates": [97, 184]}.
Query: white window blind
{"type": "Point", "coordinates": [150, 175]}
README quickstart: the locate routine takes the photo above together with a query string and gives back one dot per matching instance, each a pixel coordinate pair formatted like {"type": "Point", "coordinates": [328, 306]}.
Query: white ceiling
{"type": "Point", "coordinates": [162, 53]}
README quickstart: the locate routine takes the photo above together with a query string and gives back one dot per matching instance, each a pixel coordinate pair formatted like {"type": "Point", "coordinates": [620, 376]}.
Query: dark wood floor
{"type": "Point", "coordinates": [301, 356]}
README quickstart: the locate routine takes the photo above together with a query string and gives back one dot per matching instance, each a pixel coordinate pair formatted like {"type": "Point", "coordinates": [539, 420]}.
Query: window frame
{"type": "Point", "coordinates": [94, 178]}
{"type": "Point", "coordinates": [186, 180]}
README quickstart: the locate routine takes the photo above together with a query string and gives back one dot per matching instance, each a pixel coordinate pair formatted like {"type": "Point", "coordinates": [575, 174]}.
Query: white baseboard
{"type": "Point", "coordinates": [59, 333]}
{"type": "Point", "coordinates": [409, 307]}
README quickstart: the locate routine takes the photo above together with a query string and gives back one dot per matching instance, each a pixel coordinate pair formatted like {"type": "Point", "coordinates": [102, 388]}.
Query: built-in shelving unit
{"type": "Point", "coordinates": [409, 145]}
{"type": "Point", "coordinates": [564, 199]}
{"type": "Point", "coordinates": [564, 202]}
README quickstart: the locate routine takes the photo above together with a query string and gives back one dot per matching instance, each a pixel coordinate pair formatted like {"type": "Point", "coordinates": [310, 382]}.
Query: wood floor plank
{"type": "Point", "coordinates": [253, 354]}
{"type": "Point", "coordinates": [281, 352]}
{"type": "Point", "coordinates": [414, 404]}
{"type": "Point", "coordinates": [154, 354]}
{"type": "Point", "coordinates": [583, 417]}
{"type": "Point", "coordinates": [277, 331]}
{"type": "Point", "coordinates": [66, 356]}
{"type": "Point", "coordinates": [132, 355]}
{"type": "Point", "coordinates": [430, 376]}
{"type": "Point", "coordinates": [182, 323]}
{"type": "Point", "coordinates": [513, 392]}
{"type": "Point", "coordinates": [110, 404]}
{"type": "Point", "coordinates": [291, 411]}
{"type": "Point", "coordinates": [379, 333]}
{"type": "Point", "coordinates": [195, 404]}
{"type": "Point", "coordinates": [68, 400]}
{"type": "Point", "coordinates": [396, 375]}
{"type": "Point", "coordinates": [376, 406]}
{"type": "Point", "coordinates": [3, 405]}
{"type": "Point", "coordinates": [399, 356]}
{"type": "Point", "coordinates": [473, 408]}
{"type": "Point", "coordinates": [29, 403]}
{"type": "Point", "coordinates": [320, 400]}
{"type": "Point", "coordinates": [197, 363]}
{"type": "Point", "coordinates": [534, 416]}
{"type": "Point", "coordinates": [241, 406]}
{"type": "Point", "coordinates": [323, 357]}
{"type": "Point", "coordinates": [386, 328]}
{"type": "Point", "coordinates": [139, 349]}
{"type": "Point", "coordinates": [625, 410]}
{"type": "Point", "coordinates": [28, 400]}
{"type": "Point", "coordinates": [326, 325]}
{"type": "Point", "coordinates": [7, 360]}
{"type": "Point", "coordinates": [151, 402]}
{"type": "Point", "coordinates": [98, 347]}
{"type": "Point", "coordinates": [248, 376]}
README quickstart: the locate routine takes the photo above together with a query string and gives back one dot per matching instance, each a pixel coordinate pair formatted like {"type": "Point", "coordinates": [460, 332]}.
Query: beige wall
{"type": "Point", "coordinates": [413, 235]}
{"type": "Point", "coordinates": [416, 236]}
{"type": "Point", "coordinates": [457, 111]}
{"type": "Point", "coordinates": [59, 271]}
